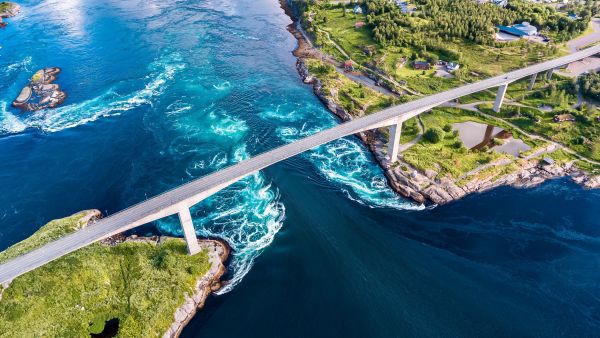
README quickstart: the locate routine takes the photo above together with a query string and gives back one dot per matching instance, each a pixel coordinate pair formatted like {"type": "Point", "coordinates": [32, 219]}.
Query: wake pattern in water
{"type": "Point", "coordinates": [344, 162]}
{"type": "Point", "coordinates": [110, 103]}
{"type": "Point", "coordinates": [247, 214]}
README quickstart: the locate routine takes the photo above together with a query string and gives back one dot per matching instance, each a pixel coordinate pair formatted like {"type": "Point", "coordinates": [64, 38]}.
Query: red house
{"type": "Point", "coordinates": [348, 66]}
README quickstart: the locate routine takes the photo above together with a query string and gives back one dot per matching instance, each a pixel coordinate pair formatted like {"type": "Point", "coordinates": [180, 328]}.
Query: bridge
{"type": "Point", "coordinates": [179, 200]}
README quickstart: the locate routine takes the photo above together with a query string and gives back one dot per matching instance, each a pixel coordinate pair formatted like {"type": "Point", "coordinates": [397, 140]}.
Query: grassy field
{"type": "Point", "coordinates": [139, 283]}
{"type": "Point", "coordinates": [410, 130]}
{"type": "Point", "coordinates": [582, 135]}
{"type": "Point", "coordinates": [477, 61]}
{"type": "Point", "coordinates": [449, 157]}
{"type": "Point", "coordinates": [353, 97]}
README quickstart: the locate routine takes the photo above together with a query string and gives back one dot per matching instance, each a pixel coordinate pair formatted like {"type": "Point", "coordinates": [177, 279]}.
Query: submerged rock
{"type": "Point", "coordinates": [40, 92]}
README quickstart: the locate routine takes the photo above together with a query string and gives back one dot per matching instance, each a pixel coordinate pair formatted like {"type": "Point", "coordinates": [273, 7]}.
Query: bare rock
{"type": "Point", "coordinates": [40, 92]}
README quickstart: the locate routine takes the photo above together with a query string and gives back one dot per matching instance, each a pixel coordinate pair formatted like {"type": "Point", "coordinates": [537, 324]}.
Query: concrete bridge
{"type": "Point", "coordinates": [179, 200]}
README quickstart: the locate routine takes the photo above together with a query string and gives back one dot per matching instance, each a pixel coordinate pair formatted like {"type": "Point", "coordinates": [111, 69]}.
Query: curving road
{"type": "Point", "coordinates": [170, 202]}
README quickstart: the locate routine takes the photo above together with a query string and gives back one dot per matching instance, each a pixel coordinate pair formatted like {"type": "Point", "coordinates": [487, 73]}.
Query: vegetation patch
{"type": "Point", "coordinates": [448, 156]}
{"type": "Point", "coordinates": [581, 135]}
{"type": "Point", "coordinates": [140, 284]}
{"type": "Point", "coordinates": [355, 98]}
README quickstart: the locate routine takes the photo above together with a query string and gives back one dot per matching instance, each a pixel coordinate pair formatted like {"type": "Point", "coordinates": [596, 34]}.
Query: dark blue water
{"type": "Point", "coordinates": [164, 92]}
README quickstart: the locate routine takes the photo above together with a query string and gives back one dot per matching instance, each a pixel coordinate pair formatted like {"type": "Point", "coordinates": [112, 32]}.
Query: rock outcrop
{"type": "Point", "coordinates": [8, 10]}
{"type": "Point", "coordinates": [40, 92]}
{"type": "Point", "coordinates": [218, 252]}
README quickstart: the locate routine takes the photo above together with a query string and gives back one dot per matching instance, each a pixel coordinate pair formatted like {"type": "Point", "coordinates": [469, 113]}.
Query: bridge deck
{"type": "Point", "coordinates": [193, 192]}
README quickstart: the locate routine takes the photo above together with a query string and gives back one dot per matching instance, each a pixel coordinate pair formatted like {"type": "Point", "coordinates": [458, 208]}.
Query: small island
{"type": "Point", "coordinates": [8, 10]}
{"type": "Point", "coordinates": [41, 92]}
{"type": "Point", "coordinates": [127, 285]}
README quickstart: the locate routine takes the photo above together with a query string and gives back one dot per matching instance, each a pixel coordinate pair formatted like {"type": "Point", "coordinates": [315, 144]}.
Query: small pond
{"type": "Point", "coordinates": [475, 135]}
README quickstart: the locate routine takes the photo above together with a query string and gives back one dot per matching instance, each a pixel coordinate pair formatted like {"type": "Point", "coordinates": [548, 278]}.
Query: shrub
{"type": "Point", "coordinates": [447, 128]}
{"type": "Point", "coordinates": [433, 135]}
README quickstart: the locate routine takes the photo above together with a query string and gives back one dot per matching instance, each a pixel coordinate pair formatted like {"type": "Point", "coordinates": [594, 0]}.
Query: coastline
{"type": "Point", "coordinates": [425, 187]}
{"type": "Point", "coordinates": [218, 252]}
{"type": "Point", "coordinates": [208, 271]}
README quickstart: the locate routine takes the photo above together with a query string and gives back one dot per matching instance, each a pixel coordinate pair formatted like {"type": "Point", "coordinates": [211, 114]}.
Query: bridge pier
{"type": "Point", "coordinates": [549, 73]}
{"type": "Point", "coordinates": [532, 81]}
{"type": "Point", "coordinates": [500, 97]}
{"type": "Point", "coordinates": [188, 230]}
{"type": "Point", "coordinates": [394, 141]}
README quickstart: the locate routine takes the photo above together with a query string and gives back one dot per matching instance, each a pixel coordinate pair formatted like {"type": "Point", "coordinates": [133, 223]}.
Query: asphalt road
{"type": "Point", "coordinates": [194, 191]}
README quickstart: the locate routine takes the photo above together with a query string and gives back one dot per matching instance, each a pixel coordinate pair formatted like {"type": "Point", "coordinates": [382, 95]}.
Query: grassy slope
{"type": "Point", "coordinates": [566, 133]}
{"type": "Point", "coordinates": [445, 157]}
{"type": "Point", "coordinates": [140, 283]}
{"type": "Point", "coordinates": [351, 95]}
{"type": "Point", "coordinates": [47, 233]}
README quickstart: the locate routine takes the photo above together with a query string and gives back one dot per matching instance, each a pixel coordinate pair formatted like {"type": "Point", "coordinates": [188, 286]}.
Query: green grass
{"type": "Point", "coordinates": [582, 136]}
{"type": "Point", "coordinates": [410, 130]}
{"type": "Point", "coordinates": [353, 97]}
{"type": "Point", "coordinates": [562, 157]}
{"type": "Point", "coordinates": [445, 157]}
{"type": "Point", "coordinates": [139, 283]}
{"type": "Point", "coordinates": [477, 61]}
{"type": "Point", "coordinates": [47, 233]}
{"type": "Point", "coordinates": [485, 95]}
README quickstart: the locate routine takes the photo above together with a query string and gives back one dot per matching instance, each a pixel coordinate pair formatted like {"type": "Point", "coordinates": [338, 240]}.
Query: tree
{"type": "Point", "coordinates": [433, 135]}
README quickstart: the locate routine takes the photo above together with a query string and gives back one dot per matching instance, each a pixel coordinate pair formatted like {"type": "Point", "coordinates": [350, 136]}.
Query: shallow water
{"type": "Point", "coordinates": [164, 92]}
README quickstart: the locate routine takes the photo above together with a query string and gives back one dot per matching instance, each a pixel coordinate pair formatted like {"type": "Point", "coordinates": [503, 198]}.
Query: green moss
{"type": "Point", "coordinates": [74, 295]}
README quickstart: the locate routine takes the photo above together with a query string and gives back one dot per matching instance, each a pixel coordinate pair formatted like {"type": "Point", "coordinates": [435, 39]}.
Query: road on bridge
{"type": "Point", "coordinates": [193, 192]}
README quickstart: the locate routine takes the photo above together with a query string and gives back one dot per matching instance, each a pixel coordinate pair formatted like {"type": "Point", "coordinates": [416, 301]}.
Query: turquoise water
{"type": "Point", "coordinates": [163, 92]}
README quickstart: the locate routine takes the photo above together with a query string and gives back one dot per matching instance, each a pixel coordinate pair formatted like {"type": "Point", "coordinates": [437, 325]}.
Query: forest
{"type": "Point", "coordinates": [466, 19]}
{"type": "Point", "coordinates": [590, 85]}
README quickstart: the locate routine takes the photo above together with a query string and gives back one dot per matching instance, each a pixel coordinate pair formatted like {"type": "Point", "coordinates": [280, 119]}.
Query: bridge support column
{"type": "Point", "coordinates": [549, 73]}
{"type": "Point", "coordinates": [532, 81]}
{"type": "Point", "coordinates": [188, 230]}
{"type": "Point", "coordinates": [394, 141]}
{"type": "Point", "coordinates": [500, 97]}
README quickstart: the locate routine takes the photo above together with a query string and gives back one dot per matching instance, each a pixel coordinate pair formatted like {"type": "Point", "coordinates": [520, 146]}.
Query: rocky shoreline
{"type": "Point", "coordinates": [218, 252]}
{"type": "Point", "coordinates": [41, 92]}
{"type": "Point", "coordinates": [423, 187]}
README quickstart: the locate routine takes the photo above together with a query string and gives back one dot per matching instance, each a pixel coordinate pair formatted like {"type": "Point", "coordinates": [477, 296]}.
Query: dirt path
{"type": "Point", "coordinates": [405, 146]}
{"type": "Point", "coordinates": [383, 75]}
{"type": "Point", "coordinates": [472, 107]}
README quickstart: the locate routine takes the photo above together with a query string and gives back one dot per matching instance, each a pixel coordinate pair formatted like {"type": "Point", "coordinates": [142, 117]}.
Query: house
{"type": "Point", "coordinates": [452, 66]}
{"type": "Point", "coordinates": [522, 29]}
{"type": "Point", "coordinates": [348, 65]}
{"type": "Point", "coordinates": [573, 16]}
{"type": "Point", "coordinates": [500, 3]}
{"type": "Point", "coordinates": [421, 65]}
{"type": "Point", "coordinates": [526, 28]}
{"type": "Point", "coordinates": [359, 24]}
{"type": "Point", "coordinates": [564, 118]}
{"type": "Point", "coordinates": [357, 10]}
